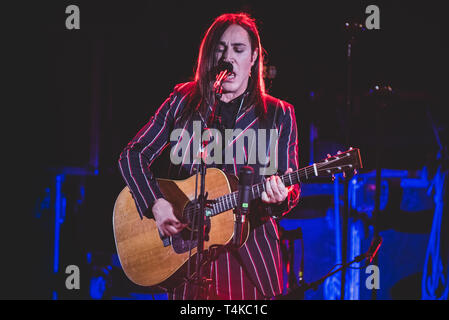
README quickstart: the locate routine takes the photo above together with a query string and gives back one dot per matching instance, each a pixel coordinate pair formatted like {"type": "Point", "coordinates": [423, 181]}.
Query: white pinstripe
{"type": "Point", "coordinates": [255, 269]}
{"type": "Point", "coordinates": [272, 256]}
{"type": "Point", "coordinates": [264, 263]}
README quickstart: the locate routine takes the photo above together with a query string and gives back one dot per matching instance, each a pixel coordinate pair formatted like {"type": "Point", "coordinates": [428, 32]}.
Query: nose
{"type": "Point", "coordinates": [227, 55]}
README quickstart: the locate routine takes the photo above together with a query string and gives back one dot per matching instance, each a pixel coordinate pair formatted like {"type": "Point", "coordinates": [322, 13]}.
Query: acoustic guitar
{"type": "Point", "coordinates": [148, 259]}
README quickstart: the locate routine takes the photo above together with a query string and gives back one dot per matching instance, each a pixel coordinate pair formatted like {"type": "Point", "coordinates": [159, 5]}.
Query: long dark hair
{"type": "Point", "coordinates": [202, 95]}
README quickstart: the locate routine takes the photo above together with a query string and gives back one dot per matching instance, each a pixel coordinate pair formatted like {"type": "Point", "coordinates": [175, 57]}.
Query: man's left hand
{"type": "Point", "coordinates": [275, 190]}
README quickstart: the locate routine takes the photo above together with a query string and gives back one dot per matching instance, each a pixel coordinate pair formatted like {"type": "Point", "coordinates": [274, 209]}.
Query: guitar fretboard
{"type": "Point", "coordinates": [348, 160]}
{"type": "Point", "coordinates": [229, 201]}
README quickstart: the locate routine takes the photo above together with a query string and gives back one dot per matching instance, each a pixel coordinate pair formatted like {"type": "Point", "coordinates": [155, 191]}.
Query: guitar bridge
{"type": "Point", "coordinates": [165, 240]}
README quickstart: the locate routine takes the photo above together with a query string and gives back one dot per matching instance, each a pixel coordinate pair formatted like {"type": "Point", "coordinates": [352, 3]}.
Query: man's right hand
{"type": "Point", "coordinates": [166, 221]}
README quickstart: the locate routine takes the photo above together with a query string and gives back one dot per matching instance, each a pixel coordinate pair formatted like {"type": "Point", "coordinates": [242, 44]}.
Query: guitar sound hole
{"type": "Point", "coordinates": [190, 215]}
{"type": "Point", "coordinates": [181, 242]}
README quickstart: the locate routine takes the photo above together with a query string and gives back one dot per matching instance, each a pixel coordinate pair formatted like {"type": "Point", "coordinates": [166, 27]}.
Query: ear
{"type": "Point", "coordinates": [254, 57]}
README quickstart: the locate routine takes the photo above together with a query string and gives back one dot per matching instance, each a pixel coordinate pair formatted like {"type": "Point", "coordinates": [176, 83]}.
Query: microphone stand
{"type": "Point", "coordinates": [352, 29]}
{"type": "Point", "coordinates": [314, 285]}
{"type": "Point", "coordinates": [200, 281]}
{"type": "Point", "coordinates": [381, 93]}
{"type": "Point", "coordinates": [299, 291]}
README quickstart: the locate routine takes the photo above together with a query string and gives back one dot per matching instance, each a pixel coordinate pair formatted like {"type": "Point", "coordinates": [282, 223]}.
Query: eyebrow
{"type": "Point", "coordinates": [235, 44]}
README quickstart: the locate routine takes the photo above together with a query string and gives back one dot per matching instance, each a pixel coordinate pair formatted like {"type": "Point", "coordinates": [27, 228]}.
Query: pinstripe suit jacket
{"type": "Point", "coordinates": [259, 259]}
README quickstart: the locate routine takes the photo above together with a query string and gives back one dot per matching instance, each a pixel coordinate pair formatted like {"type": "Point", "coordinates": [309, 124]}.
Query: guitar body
{"type": "Point", "coordinates": [143, 256]}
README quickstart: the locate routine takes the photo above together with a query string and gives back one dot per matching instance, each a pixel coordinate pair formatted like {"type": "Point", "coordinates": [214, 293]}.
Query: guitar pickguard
{"type": "Point", "coordinates": [181, 241]}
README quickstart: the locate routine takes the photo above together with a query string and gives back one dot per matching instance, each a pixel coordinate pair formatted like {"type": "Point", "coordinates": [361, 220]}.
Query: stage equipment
{"type": "Point", "coordinates": [352, 30]}
{"type": "Point", "coordinates": [295, 286]}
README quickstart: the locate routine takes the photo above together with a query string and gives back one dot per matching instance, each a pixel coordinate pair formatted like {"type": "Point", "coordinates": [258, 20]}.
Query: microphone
{"type": "Point", "coordinates": [246, 176]}
{"type": "Point", "coordinates": [222, 72]}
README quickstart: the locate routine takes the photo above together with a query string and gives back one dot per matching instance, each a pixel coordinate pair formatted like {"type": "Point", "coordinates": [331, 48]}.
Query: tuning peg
{"type": "Point", "coordinates": [328, 155]}
{"type": "Point", "coordinates": [355, 171]}
{"type": "Point", "coordinates": [344, 174]}
{"type": "Point", "coordinates": [333, 178]}
{"type": "Point", "coordinates": [339, 152]}
{"type": "Point", "coordinates": [350, 148]}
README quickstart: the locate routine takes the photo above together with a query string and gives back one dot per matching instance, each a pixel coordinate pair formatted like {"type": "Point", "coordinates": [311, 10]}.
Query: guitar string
{"type": "Point", "coordinates": [308, 169]}
{"type": "Point", "coordinates": [232, 196]}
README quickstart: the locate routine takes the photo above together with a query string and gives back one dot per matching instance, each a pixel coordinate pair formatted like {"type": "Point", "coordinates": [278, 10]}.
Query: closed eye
{"type": "Point", "coordinates": [238, 47]}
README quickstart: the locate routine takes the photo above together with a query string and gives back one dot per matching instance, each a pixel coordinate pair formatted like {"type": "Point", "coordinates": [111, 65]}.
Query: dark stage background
{"type": "Point", "coordinates": [89, 91]}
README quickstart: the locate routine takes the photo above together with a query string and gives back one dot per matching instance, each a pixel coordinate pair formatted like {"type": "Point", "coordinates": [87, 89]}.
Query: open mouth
{"type": "Point", "coordinates": [230, 77]}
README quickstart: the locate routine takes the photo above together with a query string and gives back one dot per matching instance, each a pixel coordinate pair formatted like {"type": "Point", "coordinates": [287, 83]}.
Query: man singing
{"type": "Point", "coordinates": [254, 270]}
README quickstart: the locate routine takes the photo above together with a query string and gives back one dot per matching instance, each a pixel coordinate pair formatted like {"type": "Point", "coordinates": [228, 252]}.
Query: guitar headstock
{"type": "Point", "coordinates": [342, 162]}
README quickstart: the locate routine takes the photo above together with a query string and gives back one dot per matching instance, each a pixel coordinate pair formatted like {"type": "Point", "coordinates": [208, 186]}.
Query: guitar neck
{"type": "Point", "coordinates": [229, 201]}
